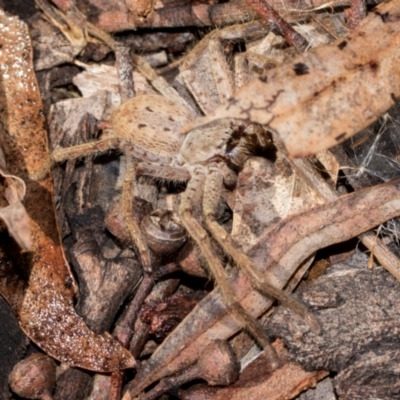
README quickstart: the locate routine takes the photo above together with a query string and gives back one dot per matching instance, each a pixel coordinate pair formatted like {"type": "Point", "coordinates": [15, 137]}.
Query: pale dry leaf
{"type": "Point", "coordinates": [330, 163]}
{"type": "Point", "coordinates": [17, 222]}
{"type": "Point", "coordinates": [321, 98]}
{"type": "Point", "coordinates": [277, 254]}
{"type": "Point", "coordinates": [267, 192]}
{"type": "Point", "coordinates": [66, 116]}
{"type": "Point", "coordinates": [140, 8]}
{"type": "Point", "coordinates": [96, 77]}
{"type": "Point", "coordinates": [45, 309]}
{"type": "Point", "coordinates": [14, 215]}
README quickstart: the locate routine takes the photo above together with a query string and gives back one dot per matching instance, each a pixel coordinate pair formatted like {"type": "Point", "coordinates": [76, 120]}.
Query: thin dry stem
{"type": "Point", "coordinates": [268, 14]}
{"type": "Point", "coordinates": [127, 210]}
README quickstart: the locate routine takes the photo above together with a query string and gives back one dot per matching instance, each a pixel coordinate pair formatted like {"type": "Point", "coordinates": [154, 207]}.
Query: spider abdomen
{"type": "Point", "coordinates": [152, 123]}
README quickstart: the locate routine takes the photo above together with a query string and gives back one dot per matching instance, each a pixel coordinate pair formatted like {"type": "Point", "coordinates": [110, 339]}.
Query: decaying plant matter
{"type": "Point", "coordinates": [208, 160]}
{"type": "Point", "coordinates": [362, 352]}
{"type": "Point", "coordinates": [34, 377]}
{"type": "Point", "coordinates": [147, 128]}
{"type": "Point", "coordinates": [277, 254]}
{"type": "Point", "coordinates": [117, 18]}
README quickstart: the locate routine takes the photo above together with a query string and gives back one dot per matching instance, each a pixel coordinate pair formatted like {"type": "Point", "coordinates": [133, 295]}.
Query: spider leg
{"type": "Point", "coordinates": [69, 153]}
{"type": "Point", "coordinates": [157, 171]}
{"type": "Point", "coordinates": [102, 145]}
{"type": "Point", "coordinates": [85, 149]}
{"type": "Point", "coordinates": [212, 190]}
{"type": "Point", "coordinates": [127, 211]}
{"type": "Point", "coordinates": [202, 239]}
{"type": "Point", "coordinates": [163, 172]}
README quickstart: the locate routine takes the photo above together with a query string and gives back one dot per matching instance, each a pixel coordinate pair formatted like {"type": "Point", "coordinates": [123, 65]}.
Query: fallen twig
{"type": "Point", "coordinates": [306, 170]}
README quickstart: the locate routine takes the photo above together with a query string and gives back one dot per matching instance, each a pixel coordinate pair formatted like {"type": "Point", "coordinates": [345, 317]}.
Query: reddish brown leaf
{"type": "Point", "coordinates": [46, 310]}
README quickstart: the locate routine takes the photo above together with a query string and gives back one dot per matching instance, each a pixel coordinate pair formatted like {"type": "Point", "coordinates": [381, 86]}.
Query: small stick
{"type": "Point", "coordinates": [123, 330]}
{"type": "Point", "coordinates": [268, 14]}
{"type": "Point", "coordinates": [124, 67]}
{"type": "Point", "coordinates": [124, 327]}
{"type": "Point", "coordinates": [356, 13]}
{"type": "Point", "coordinates": [203, 15]}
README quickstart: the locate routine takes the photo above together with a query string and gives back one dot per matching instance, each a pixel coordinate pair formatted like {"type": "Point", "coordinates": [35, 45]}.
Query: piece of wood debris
{"type": "Point", "coordinates": [359, 316]}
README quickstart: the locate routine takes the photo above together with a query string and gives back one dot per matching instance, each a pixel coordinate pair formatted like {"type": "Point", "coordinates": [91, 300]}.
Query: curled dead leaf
{"type": "Point", "coordinates": [14, 215]}
{"type": "Point", "coordinates": [17, 222]}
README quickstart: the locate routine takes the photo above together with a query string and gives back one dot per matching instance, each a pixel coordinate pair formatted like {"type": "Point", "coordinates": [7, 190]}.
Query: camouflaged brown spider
{"type": "Point", "coordinates": [147, 128]}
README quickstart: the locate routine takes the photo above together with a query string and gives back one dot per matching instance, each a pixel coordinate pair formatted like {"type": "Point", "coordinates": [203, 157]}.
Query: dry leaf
{"type": "Point", "coordinates": [51, 48]}
{"type": "Point", "coordinates": [66, 116]}
{"type": "Point", "coordinates": [45, 310]}
{"type": "Point", "coordinates": [330, 163]}
{"type": "Point", "coordinates": [14, 215]}
{"type": "Point", "coordinates": [325, 96]}
{"type": "Point", "coordinates": [17, 221]}
{"type": "Point", "coordinates": [99, 77]}
{"type": "Point", "coordinates": [267, 192]}
{"type": "Point", "coordinates": [358, 310]}
{"type": "Point", "coordinates": [140, 8]}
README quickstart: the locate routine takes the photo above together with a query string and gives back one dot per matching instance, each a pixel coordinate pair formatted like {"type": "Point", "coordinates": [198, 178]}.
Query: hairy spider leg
{"type": "Point", "coordinates": [212, 190]}
{"type": "Point", "coordinates": [202, 239]}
